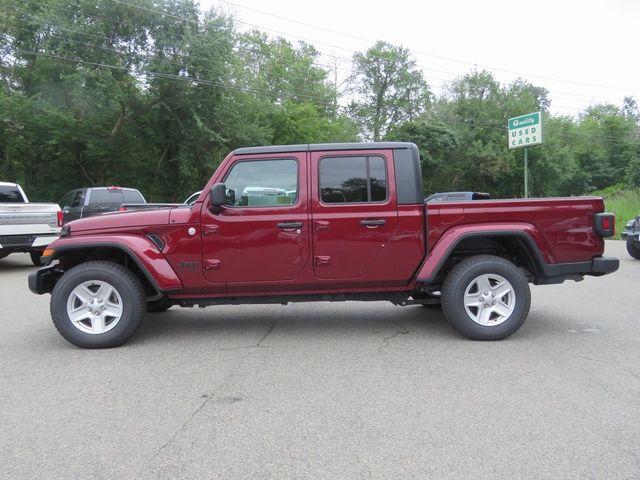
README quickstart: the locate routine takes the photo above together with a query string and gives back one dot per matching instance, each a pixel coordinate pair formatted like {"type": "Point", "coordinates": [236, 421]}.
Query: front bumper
{"type": "Point", "coordinates": [630, 235]}
{"type": "Point", "coordinates": [43, 280]}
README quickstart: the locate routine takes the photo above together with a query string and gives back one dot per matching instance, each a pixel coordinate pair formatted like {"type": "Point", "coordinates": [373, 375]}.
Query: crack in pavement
{"type": "Point", "coordinates": [216, 390]}
{"type": "Point", "coordinates": [264, 337]}
{"type": "Point", "coordinates": [402, 330]}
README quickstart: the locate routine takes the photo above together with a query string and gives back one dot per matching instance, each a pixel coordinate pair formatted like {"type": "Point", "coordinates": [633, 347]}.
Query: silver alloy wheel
{"type": "Point", "coordinates": [94, 307]}
{"type": "Point", "coordinates": [489, 299]}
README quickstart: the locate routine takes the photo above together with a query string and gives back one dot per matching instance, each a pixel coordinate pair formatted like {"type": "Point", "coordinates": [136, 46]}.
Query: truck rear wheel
{"type": "Point", "coordinates": [486, 297]}
{"type": "Point", "coordinates": [633, 249]}
{"type": "Point", "coordinates": [98, 304]}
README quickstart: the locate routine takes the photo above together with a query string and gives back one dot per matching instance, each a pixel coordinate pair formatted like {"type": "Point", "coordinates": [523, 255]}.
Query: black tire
{"type": "Point", "coordinates": [36, 255]}
{"type": "Point", "coordinates": [131, 301]}
{"type": "Point", "coordinates": [633, 249]}
{"type": "Point", "coordinates": [159, 306]}
{"type": "Point", "coordinates": [466, 275]}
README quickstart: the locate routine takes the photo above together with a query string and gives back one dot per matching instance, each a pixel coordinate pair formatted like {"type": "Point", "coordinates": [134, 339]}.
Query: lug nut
{"type": "Point", "coordinates": [481, 299]}
{"type": "Point", "coordinates": [486, 305]}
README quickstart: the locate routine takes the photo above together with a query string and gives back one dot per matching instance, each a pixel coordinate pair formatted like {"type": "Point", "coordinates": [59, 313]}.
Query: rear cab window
{"type": "Point", "coordinates": [133, 196]}
{"type": "Point", "coordinates": [10, 194]}
{"type": "Point", "coordinates": [100, 197]}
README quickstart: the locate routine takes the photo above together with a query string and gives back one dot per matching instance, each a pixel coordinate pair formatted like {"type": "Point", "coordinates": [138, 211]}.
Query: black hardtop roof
{"type": "Point", "coordinates": [315, 147]}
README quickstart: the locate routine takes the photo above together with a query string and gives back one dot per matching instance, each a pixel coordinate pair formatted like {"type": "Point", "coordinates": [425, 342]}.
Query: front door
{"type": "Point", "coordinates": [354, 214]}
{"type": "Point", "coordinates": [260, 238]}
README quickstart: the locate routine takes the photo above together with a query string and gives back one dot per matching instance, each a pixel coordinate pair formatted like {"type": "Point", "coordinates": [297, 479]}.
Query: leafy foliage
{"type": "Point", "coordinates": [154, 93]}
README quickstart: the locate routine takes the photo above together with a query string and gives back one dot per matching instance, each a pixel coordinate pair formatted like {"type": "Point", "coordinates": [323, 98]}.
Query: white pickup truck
{"type": "Point", "coordinates": [26, 227]}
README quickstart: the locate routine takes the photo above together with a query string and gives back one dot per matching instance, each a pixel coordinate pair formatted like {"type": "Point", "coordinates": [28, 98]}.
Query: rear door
{"type": "Point", "coordinates": [354, 213]}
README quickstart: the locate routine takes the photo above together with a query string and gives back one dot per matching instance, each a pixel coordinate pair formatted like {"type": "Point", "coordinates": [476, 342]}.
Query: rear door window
{"type": "Point", "coordinates": [353, 179]}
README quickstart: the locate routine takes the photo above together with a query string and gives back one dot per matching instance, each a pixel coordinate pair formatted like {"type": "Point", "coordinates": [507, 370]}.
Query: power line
{"type": "Point", "coordinates": [164, 60]}
{"type": "Point", "coordinates": [140, 7]}
{"type": "Point", "coordinates": [196, 80]}
{"type": "Point", "coordinates": [212, 83]}
{"type": "Point", "coordinates": [441, 57]}
{"type": "Point", "coordinates": [330, 67]}
{"type": "Point", "coordinates": [206, 62]}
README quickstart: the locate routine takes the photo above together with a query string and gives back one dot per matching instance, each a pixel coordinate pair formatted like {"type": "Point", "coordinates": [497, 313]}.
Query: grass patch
{"type": "Point", "coordinates": [625, 204]}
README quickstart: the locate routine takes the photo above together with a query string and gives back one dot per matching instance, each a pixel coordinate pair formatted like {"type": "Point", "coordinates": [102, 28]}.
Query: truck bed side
{"type": "Point", "coordinates": [562, 228]}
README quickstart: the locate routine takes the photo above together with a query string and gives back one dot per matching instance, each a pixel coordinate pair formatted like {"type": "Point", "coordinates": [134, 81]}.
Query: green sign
{"type": "Point", "coordinates": [525, 130]}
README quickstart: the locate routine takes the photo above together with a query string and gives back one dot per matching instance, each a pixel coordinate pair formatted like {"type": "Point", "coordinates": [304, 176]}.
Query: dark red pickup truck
{"type": "Point", "coordinates": [320, 222]}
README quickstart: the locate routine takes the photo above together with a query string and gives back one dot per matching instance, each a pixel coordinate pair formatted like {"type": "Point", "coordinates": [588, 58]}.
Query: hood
{"type": "Point", "coordinates": [119, 220]}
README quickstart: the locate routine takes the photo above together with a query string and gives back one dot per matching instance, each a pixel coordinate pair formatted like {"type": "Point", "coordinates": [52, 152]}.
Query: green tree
{"type": "Point", "coordinates": [388, 90]}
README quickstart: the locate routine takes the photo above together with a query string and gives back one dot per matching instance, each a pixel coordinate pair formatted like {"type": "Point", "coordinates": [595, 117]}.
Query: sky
{"type": "Point", "coordinates": [583, 52]}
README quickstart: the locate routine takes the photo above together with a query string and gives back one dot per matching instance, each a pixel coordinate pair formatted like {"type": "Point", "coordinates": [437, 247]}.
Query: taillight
{"type": "Point", "coordinates": [605, 224]}
{"type": "Point", "coordinates": [60, 218]}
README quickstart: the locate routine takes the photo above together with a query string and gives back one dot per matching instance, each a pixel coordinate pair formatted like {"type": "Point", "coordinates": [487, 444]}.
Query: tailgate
{"type": "Point", "coordinates": [28, 218]}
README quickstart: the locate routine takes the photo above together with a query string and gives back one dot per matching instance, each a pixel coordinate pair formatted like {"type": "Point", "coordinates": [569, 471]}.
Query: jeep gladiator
{"type": "Point", "coordinates": [321, 222]}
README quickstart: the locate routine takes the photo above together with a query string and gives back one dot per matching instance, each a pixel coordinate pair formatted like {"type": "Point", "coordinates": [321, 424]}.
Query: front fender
{"type": "Point", "coordinates": [447, 243]}
{"type": "Point", "coordinates": [138, 248]}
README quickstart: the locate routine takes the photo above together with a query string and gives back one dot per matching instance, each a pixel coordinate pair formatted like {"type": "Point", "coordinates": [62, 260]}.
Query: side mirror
{"type": "Point", "coordinates": [218, 197]}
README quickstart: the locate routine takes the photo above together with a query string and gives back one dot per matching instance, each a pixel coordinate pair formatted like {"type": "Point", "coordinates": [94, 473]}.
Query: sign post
{"type": "Point", "coordinates": [525, 131]}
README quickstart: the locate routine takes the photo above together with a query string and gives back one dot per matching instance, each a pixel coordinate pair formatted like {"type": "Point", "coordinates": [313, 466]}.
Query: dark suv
{"type": "Point", "coordinates": [87, 202]}
{"type": "Point", "coordinates": [631, 235]}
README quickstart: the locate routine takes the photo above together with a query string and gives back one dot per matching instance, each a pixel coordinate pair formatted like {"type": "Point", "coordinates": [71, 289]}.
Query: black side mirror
{"type": "Point", "coordinates": [218, 197]}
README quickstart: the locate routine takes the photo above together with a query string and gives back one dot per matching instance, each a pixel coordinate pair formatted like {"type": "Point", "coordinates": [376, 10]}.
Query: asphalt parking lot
{"type": "Point", "coordinates": [327, 390]}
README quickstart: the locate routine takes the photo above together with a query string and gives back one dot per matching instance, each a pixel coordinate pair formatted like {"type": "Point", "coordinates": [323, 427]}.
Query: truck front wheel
{"type": "Point", "coordinates": [97, 304]}
{"type": "Point", "coordinates": [486, 297]}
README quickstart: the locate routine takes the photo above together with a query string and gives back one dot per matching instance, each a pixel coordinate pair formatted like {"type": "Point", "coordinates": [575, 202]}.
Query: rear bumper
{"type": "Point", "coordinates": [43, 280]}
{"type": "Point", "coordinates": [604, 265]}
{"type": "Point", "coordinates": [25, 243]}
{"type": "Point", "coordinates": [560, 272]}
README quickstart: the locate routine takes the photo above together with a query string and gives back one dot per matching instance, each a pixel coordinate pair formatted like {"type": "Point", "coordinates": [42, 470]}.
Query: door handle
{"type": "Point", "coordinates": [286, 225]}
{"type": "Point", "coordinates": [372, 223]}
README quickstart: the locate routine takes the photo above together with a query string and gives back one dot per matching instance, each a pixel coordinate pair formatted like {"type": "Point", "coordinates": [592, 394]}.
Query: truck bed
{"type": "Point", "coordinates": [562, 228]}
